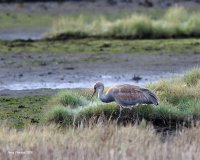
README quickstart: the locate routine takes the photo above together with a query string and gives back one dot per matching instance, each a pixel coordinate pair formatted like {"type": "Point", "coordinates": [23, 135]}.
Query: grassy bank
{"type": "Point", "coordinates": [171, 46]}
{"type": "Point", "coordinates": [185, 23]}
{"type": "Point", "coordinates": [178, 104]}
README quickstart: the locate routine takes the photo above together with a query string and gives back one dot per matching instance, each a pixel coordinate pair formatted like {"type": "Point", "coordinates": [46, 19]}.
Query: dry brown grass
{"type": "Point", "coordinates": [98, 142]}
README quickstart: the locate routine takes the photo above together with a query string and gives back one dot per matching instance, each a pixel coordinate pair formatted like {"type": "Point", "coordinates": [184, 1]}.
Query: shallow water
{"type": "Point", "coordinates": [107, 80]}
{"type": "Point", "coordinates": [22, 34]}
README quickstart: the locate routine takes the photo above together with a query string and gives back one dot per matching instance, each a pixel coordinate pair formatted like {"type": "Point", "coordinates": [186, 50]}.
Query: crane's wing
{"type": "Point", "coordinates": [127, 95]}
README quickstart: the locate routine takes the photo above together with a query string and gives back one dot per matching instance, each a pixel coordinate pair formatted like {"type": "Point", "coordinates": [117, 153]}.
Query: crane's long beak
{"type": "Point", "coordinates": [93, 93]}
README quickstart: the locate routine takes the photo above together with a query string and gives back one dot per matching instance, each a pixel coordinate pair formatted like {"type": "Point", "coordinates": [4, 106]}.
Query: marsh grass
{"type": "Point", "coordinates": [178, 103]}
{"type": "Point", "coordinates": [60, 115]}
{"type": "Point", "coordinates": [98, 142]}
{"type": "Point", "coordinates": [185, 23]}
{"type": "Point", "coordinates": [71, 99]}
{"type": "Point", "coordinates": [192, 77]}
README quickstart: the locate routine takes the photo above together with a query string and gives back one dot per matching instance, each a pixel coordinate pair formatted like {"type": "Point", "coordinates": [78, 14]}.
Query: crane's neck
{"type": "Point", "coordinates": [102, 97]}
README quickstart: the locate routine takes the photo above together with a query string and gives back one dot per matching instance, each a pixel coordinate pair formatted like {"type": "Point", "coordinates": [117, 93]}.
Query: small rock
{"type": "Point", "coordinates": [21, 106]}
{"type": "Point", "coordinates": [146, 3]}
{"type": "Point", "coordinates": [136, 78]}
{"type": "Point", "coordinates": [41, 74]}
{"type": "Point", "coordinates": [69, 68]}
{"type": "Point", "coordinates": [34, 120]}
{"type": "Point", "coordinates": [15, 111]}
{"type": "Point", "coordinates": [29, 56]}
{"type": "Point", "coordinates": [106, 45]}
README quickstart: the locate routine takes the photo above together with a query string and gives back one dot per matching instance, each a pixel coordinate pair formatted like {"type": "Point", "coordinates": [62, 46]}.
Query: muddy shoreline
{"type": "Point", "coordinates": [58, 71]}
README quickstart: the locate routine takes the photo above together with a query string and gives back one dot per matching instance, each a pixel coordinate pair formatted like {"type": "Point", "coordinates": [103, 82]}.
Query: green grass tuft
{"type": "Point", "coordinates": [136, 26]}
{"type": "Point", "coordinates": [98, 110]}
{"type": "Point", "coordinates": [60, 115]}
{"type": "Point", "coordinates": [70, 99]}
{"type": "Point", "coordinates": [192, 77]}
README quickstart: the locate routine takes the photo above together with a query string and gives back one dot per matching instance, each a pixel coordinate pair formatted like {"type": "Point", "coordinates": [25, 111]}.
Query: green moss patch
{"type": "Point", "coordinates": [21, 111]}
{"type": "Point", "coordinates": [81, 46]}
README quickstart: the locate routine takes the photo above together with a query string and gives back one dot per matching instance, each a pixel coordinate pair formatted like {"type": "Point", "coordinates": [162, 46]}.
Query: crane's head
{"type": "Point", "coordinates": [98, 86]}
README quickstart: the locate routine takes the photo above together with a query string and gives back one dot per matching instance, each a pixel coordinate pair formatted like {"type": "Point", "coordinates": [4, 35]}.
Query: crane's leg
{"type": "Point", "coordinates": [129, 107]}
{"type": "Point", "coordinates": [120, 107]}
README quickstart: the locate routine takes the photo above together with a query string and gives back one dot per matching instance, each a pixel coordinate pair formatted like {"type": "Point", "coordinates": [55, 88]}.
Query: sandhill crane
{"type": "Point", "coordinates": [125, 95]}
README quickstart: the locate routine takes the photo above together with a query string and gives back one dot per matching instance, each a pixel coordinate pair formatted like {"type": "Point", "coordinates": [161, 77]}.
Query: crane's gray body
{"type": "Point", "coordinates": [127, 95]}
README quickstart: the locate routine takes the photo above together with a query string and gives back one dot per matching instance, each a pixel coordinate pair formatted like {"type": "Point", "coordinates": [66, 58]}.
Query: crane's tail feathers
{"type": "Point", "coordinates": [152, 98]}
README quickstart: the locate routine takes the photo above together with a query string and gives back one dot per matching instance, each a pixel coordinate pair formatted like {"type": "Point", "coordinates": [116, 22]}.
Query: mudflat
{"type": "Point", "coordinates": [33, 71]}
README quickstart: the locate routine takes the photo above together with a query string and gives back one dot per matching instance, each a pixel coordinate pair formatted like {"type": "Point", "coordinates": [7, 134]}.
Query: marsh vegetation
{"type": "Point", "coordinates": [72, 125]}
{"type": "Point", "coordinates": [83, 47]}
{"type": "Point", "coordinates": [107, 141]}
{"type": "Point", "coordinates": [102, 46]}
{"type": "Point", "coordinates": [185, 23]}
